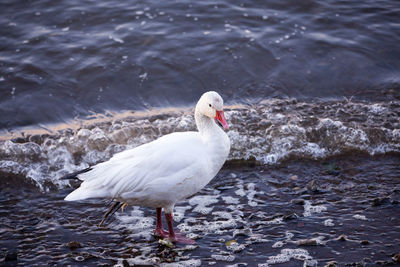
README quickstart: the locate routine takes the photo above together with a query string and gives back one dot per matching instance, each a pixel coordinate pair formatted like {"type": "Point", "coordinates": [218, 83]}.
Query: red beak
{"type": "Point", "coordinates": [221, 118]}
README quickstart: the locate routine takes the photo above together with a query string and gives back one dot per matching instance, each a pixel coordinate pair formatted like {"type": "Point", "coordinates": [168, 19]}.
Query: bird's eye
{"type": "Point", "coordinates": [209, 105]}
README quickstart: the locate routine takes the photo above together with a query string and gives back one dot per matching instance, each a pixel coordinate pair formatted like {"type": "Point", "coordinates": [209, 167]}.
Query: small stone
{"type": "Point", "coordinates": [297, 201]}
{"type": "Point", "coordinates": [367, 259]}
{"type": "Point", "coordinates": [396, 189]}
{"type": "Point", "coordinates": [74, 245]}
{"type": "Point", "coordinates": [35, 139]}
{"type": "Point", "coordinates": [307, 242]}
{"type": "Point", "coordinates": [11, 256]}
{"type": "Point", "coordinates": [364, 242]}
{"type": "Point", "coordinates": [396, 258]}
{"type": "Point", "coordinates": [303, 192]}
{"type": "Point", "coordinates": [125, 263]}
{"type": "Point", "coordinates": [166, 243]}
{"type": "Point", "coordinates": [331, 264]}
{"type": "Point", "coordinates": [342, 238]}
{"type": "Point", "coordinates": [382, 263]}
{"type": "Point", "coordinates": [19, 140]}
{"type": "Point", "coordinates": [230, 242]}
{"type": "Point", "coordinates": [379, 201]}
{"type": "Point", "coordinates": [290, 216]}
{"type": "Point", "coordinates": [312, 186]}
{"type": "Point", "coordinates": [242, 232]}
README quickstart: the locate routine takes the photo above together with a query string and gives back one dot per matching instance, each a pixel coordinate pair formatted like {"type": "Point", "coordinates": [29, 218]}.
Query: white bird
{"type": "Point", "coordinates": [165, 171]}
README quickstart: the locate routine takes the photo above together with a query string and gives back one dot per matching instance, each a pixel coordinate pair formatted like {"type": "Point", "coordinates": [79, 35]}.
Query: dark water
{"type": "Point", "coordinates": [62, 59]}
{"type": "Point", "coordinates": [312, 212]}
{"type": "Point", "coordinates": [313, 98]}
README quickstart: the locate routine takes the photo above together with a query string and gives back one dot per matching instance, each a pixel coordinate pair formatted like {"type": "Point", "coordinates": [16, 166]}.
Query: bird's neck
{"type": "Point", "coordinates": [216, 140]}
{"type": "Point", "coordinates": [206, 126]}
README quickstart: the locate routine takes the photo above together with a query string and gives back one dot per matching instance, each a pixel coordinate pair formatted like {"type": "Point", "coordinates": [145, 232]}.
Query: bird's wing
{"type": "Point", "coordinates": [153, 164]}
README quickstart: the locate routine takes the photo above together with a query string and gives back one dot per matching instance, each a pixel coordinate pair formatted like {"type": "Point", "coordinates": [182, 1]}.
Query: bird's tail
{"type": "Point", "coordinates": [75, 174]}
{"type": "Point", "coordinates": [85, 193]}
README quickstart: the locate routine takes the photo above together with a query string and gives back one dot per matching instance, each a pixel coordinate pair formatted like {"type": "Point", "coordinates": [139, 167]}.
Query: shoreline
{"type": "Point", "coordinates": [269, 133]}
{"type": "Point", "coordinates": [311, 209]}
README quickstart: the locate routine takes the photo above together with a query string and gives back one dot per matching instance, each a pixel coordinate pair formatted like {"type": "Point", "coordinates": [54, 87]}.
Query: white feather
{"type": "Point", "coordinates": [164, 171]}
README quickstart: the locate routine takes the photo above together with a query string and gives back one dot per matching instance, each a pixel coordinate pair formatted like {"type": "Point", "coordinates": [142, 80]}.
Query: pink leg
{"type": "Point", "coordinates": [176, 237]}
{"type": "Point", "coordinates": [159, 231]}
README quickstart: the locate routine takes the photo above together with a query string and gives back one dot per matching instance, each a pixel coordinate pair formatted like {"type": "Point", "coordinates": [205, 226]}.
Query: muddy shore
{"type": "Point", "coordinates": [342, 209]}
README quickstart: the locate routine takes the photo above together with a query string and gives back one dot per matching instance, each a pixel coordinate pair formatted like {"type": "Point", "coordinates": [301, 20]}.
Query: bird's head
{"type": "Point", "coordinates": [212, 105]}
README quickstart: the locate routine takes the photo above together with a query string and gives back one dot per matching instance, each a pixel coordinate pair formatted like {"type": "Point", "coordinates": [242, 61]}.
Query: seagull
{"type": "Point", "coordinates": [165, 171]}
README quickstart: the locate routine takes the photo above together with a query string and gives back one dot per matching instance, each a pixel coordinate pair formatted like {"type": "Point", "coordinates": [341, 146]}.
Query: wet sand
{"type": "Point", "coordinates": [343, 209]}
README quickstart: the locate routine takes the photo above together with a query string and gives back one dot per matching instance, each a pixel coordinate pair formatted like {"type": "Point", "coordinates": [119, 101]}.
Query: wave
{"type": "Point", "coordinates": [269, 132]}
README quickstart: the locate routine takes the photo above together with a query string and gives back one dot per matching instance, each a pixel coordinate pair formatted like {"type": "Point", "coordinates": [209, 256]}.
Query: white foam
{"type": "Point", "coordinates": [228, 258]}
{"type": "Point", "coordinates": [315, 241]}
{"type": "Point", "coordinates": [287, 254]}
{"type": "Point", "coordinates": [222, 215]}
{"type": "Point", "coordinates": [221, 223]}
{"type": "Point", "coordinates": [202, 201]}
{"type": "Point", "coordinates": [249, 192]}
{"type": "Point", "coordinates": [377, 109]}
{"type": "Point", "coordinates": [278, 244]}
{"type": "Point", "coordinates": [240, 192]}
{"type": "Point", "coordinates": [278, 220]}
{"type": "Point", "coordinates": [138, 225]}
{"type": "Point", "coordinates": [277, 136]}
{"type": "Point", "coordinates": [360, 217]}
{"type": "Point", "coordinates": [116, 39]}
{"type": "Point", "coordinates": [141, 260]}
{"type": "Point", "coordinates": [235, 247]}
{"type": "Point", "coordinates": [186, 263]}
{"type": "Point", "coordinates": [179, 212]}
{"type": "Point", "coordinates": [230, 200]}
{"type": "Point", "coordinates": [310, 209]}
{"type": "Point", "coordinates": [289, 236]}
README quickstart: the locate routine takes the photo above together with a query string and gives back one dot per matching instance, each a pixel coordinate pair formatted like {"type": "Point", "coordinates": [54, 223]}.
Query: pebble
{"type": "Point", "coordinates": [396, 189]}
{"type": "Point", "coordinates": [379, 201]}
{"type": "Point", "coordinates": [74, 245]}
{"type": "Point", "coordinates": [298, 201]}
{"type": "Point", "coordinates": [331, 264]}
{"type": "Point", "coordinates": [364, 242]}
{"type": "Point", "coordinates": [290, 216]}
{"type": "Point", "coordinates": [367, 260]}
{"type": "Point", "coordinates": [383, 263]}
{"type": "Point", "coordinates": [396, 258]}
{"type": "Point", "coordinates": [242, 232]}
{"type": "Point", "coordinates": [312, 186]}
{"type": "Point", "coordinates": [307, 242]}
{"type": "Point", "coordinates": [342, 238]}
{"type": "Point", "coordinates": [11, 255]}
